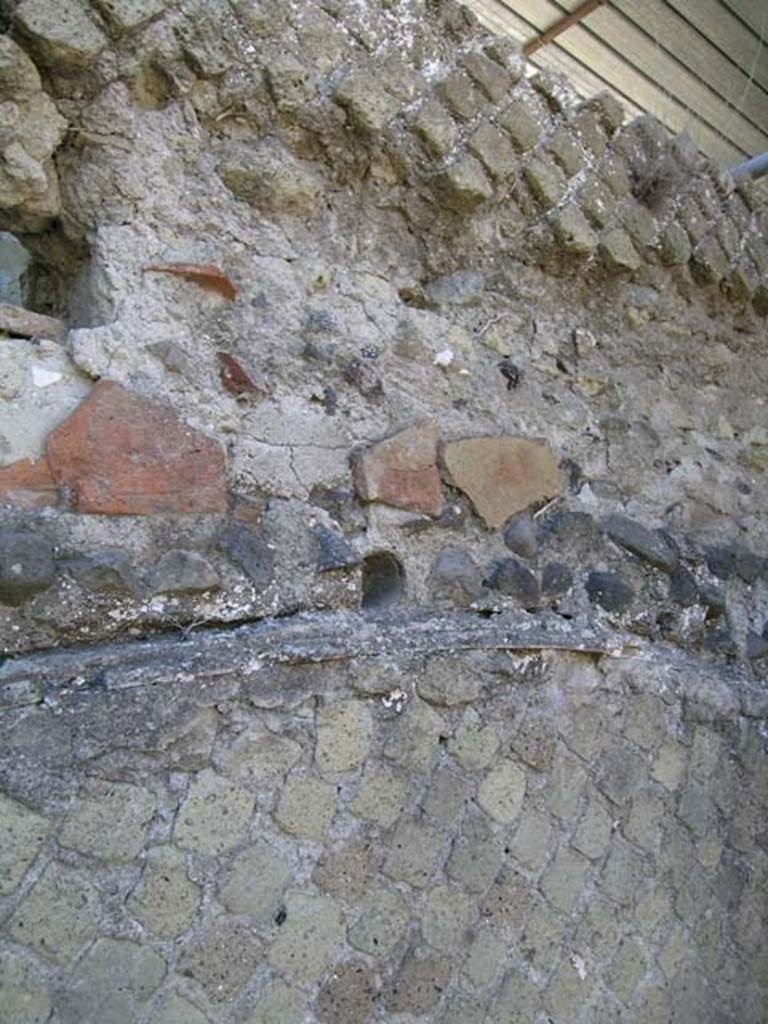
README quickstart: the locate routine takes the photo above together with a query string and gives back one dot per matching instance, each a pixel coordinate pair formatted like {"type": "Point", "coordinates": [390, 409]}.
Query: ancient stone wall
{"type": "Point", "coordinates": [323, 820]}
{"type": "Point", "coordinates": [383, 535]}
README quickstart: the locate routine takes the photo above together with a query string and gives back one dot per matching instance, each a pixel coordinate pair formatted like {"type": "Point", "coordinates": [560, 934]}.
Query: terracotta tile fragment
{"type": "Point", "coordinates": [502, 475]}
{"type": "Point", "coordinates": [402, 470]}
{"type": "Point", "coordinates": [122, 454]}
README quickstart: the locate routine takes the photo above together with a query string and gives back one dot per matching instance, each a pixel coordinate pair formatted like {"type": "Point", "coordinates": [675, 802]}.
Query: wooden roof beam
{"type": "Point", "coordinates": [578, 14]}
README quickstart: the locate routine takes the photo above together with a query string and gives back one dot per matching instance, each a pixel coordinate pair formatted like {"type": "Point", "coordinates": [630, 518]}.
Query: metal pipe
{"type": "Point", "coordinates": [576, 15]}
{"type": "Point", "coordinates": [754, 168]}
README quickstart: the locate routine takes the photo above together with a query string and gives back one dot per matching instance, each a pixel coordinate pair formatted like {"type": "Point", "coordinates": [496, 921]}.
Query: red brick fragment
{"type": "Point", "coordinates": [28, 484]}
{"type": "Point", "coordinates": [235, 379]}
{"type": "Point", "coordinates": [122, 454]}
{"type": "Point", "coordinates": [402, 471]}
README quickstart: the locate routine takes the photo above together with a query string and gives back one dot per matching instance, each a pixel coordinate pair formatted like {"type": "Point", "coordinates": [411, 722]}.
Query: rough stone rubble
{"type": "Point", "coordinates": [312, 305]}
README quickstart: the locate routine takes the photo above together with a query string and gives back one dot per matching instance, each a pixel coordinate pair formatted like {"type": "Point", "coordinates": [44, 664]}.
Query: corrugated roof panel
{"type": "Point", "coordinates": [730, 35]}
{"type": "Point", "coordinates": [583, 78]}
{"type": "Point", "coordinates": [624, 27]}
{"type": "Point", "coordinates": [684, 70]}
{"type": "Point", "coordinates": [687, 45]}
{"type": "Point", "coordinates": [753, 12]}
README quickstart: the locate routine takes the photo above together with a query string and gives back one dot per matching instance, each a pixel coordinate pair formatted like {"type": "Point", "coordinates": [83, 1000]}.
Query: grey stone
{"type": "Point", "coordinates": [493, 78]}
{"type": "Point", "coordinates": [178, 1010]}
{"type": "Point", "coordinates": [476, 856]}
{"type": "Point", "coordinates": [460, 96]}
{"type": "Point", "coordinates": [486, 959]}
{"type": "Point", "coordinates": [257, 754]}
{"type": "Point", "coordinates": [165, 900]}
{"type": "Point", "coordinates": [447, 684]}
{"type": "Point", "coordinates": [508, 901]}
{"type": "Point", "coordinates": [345, 871]}
{"type": "Point", "coordinates": [621, 773]}
{"type": "Point", "coordinates": [618, 252]}
{"type": "Point", "coordinates": [343, 736]}
{"type": "Point", "coordinates": [279, 1004]}
{"type": "Point", "coordinates": [214, 815]}
{"type": "Point", "coordinates": [381, 797]}
{"type": "Point", "coordinates": [610, 591]}
{"type": "Point", "coordinates": [594, 831]}
{"type": "Point", "coordinates": [543, 936]}
{"type": "Point", "coordinates": [683, 589]}
{"type": "Point", "coordinates": [556, 579]}
{"type": "Point", "coordinates": [518, 998]}
{"type": "Point", "coordinates": [462, 288]}
{"type": "Point", "coordinates": [501, 792]}
{"type": "Point", "coordinates": [24, 834]}
{"type": "Point", "coordinates": [25, 996]}
{"type": "Point", "coordinates": [113, 982]}
{"type": "Point", "coordinates": [436, 128]}
{"type": "Point", "coordinates": [513, 579]}
{"type": "Point", "coordinates": [534, 742]}
{"type": "Point", "coordinates": [623, 873]}
{"type": "Point", "coordinates": [455, 576]}
{"type": "Point", "coordinates": [306, 808]}
{"type": "Point", "coordinates": [255, 882]}
{"type": "Point", "coordinates": [334, 551]}
{"type": "Point", "coordinates": [545, 181]}
{"type": "Point", "coordinates": [675, 245]}
{"type": "Point", "coordinates": [310, 939]}
{"type": "Point", "coordinates": [369, 107]}
{"type": "Point", "coordinates": [14, 263]}
{"type": "Point", "coordinates": [417, 737]}
{"type": "Point", "coordinates": [413, 853]}
{"type": "Point", "coordinates": [709, 263]}
{"type": "Point", "coordinates": [641, 225]}
{"type": "Point", "coordinates": [566, 992]}
{"type": "Point", "coordinates": [181, 571]}
{"type": "Point", "coordinates": [566, 152]}
{"type": "Point", "coordinates": [222, 958]}
{"type": "Point", "coordinates": [380, 924]}
{"type": "Point", "coordinates": [26, 566]}
{"type": "Point", "coordinates": [248, 551]}
{"type": "Point", "coordinates": [349, 995]}
{"type": "Point", "coordinates": [417, 987]}
{"type": "Point", "coordinates": [573, 232]}
{"type": "Point", "coordinates": [565, 879]}
{"type": "Point", "coordinates": [65, 38]}
{"type": "Point", "coordinates": [463, 185]}
{"type": "Point", "coordinates": [642, 542]}
{"type": "Point", "coordinates": [474, 744]}
{"type": "Point", "coordinates": [520, 536]}
{"type": "Point", "coordinates": [58, 916]}
{"type": "Point", "coordinates": [533, 840]}
{"type": "Point", "coordinates": [106, 572]}
{"type": "Point", "coordinates": [521, 124]}
{"type": "Point", "coordinates": [445, 797]}
{"type": "Point", "coordinates": [126, 15]}
{"type": "Point", "coordinates": [493, 148]}
{"type": "Point", "coordinates": [446, 918]}
{"type": "Point", "coordinates": [270, 179]}
{"type": "Point", "coordinates": [108, 821]}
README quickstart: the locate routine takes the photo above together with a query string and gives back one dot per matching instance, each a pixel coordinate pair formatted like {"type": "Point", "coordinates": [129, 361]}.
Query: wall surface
{"type": "Point", "coordinates": [335, 820]}
{"type": "Point", "coordinates": [383, 533]}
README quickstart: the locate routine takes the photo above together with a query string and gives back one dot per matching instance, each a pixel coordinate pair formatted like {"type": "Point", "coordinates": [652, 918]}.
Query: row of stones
{"type": "Point", "coordinates": [96, 458]}
{"type": "Point", "coordinates": [695, 581]}
{"type": "Point", "coordinates": [583, 170]}
{"type": "Point", "coordinates": [108, 823]}
{"type": "Point", "coordinates": [571, 159]}
{"type": "Point", "coordinates": [570, 166]}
